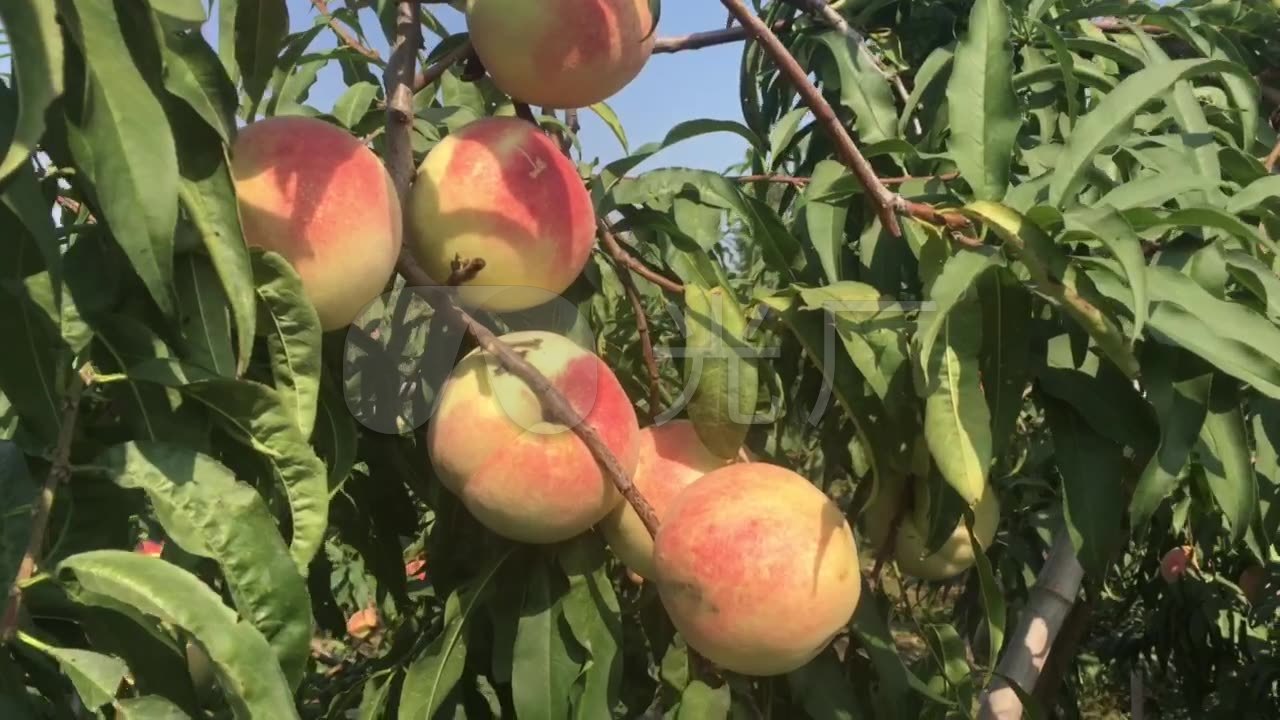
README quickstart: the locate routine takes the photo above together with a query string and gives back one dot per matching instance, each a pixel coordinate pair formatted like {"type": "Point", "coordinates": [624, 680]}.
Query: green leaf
{"type": "Point", "coordinates": [543, 672]}
{"type": "Point", "coordinates": [121, 139]}
{"type": "Point", "coordinates": [1258, 278]}
{"type": "Point", "coordinates": [1067, 63]}
{"type": "Point", "coordinates": [96, 677]}
{"type": "Point", "coordinates": [1177, 384]}
{"type": "Point", "coordinates": [204, 325]}
{"type": "Point", "coordinates": [208, 197]}
{"type": "Point", "coordinates": [1254, 194]}
{"type": "Point", "coordinates": [259, 417]}
{"type": "Point", "coordinates": [616, 170]}
{"type": "Point", "coordinates": [18, 494]}
{"type": "Point", "coordinates": [1092, 470]}
{"type": "Point", "coordinates": [1115, 112]}
{"type": "Point", "coordinates": [1153, 191]}
{"type": "Point", "coordinates": [335, 435]}
{"type": "Point", "coordinates": [32, 225]}
{"type": "Point", "coordinates": [33, 38]}
{"type": "Point", "coordinates": [993, 605]}
{"type": "Point", "coordinates": [1048, 265]}
{"type": "Point", "coordinates": [253, 682]}
{"type": "Point", "coordinates": [700, 701]}
{"type": "Point", "coordinates": [949, 652]}
{"type": "Point", "coordinates": [193, 496]}
{"type": "Point", "coordinates": [935, 69]}
{"type": "Point", "coordinates": [863, 89]}
{"type": "Point", "coordinates": [720, 369]}
{"type": "Point", "coordinates": [260, 29]}
{"type": "Point", "coordinates": [227, 10]}
{"type": "Point", "coordinates": [149, 707]}
{"type": "Point", "coordinates": [948, 290]}
{"type": "Point", "coordinates": [1125, 246]}
{"type": "Point", "coordinates": [434, 673]}
{"type": "Point", "coordinates": [820, 686]}
{"type": "Point", "coordinates": [1225, 456]}
{"type": "Point", "coordinates": [871, 627]}
{"type": "Point", "coordinates": [593, 614]}
{"type": "Point", "coordinates": [984, 110]}
{"type": "Point", "coordinates": [1233, 337]}
{"type": "Point", "coordinates": [610, 118]}
{"type": "Point", "coordinates": [1005, 358]}
{"type": "Point", "coordinates": [193, 73]}
{"type": "Point", "coordinates": [783, 134]}
{"type": "Point", "coordinates": [825, 221]}
{"type": "Point", "coordinates": [957, 421]}
{"type": "Point", "coordinates": [293, 336]}
{"type": "Point", "coordinates": [354, 103]}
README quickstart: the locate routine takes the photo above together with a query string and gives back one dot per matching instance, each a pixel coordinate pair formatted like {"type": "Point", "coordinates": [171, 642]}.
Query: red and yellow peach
{"type": "Point", "coordinates": [499, 190]}
{"type": "Point", "coordinates": [561, 53]}
{"type": "Point", "coordinates": [313, 193]}
{"type": "Point", "coordinates": [671, 458]}
{"type": "Point", "coordinates": [757, 568]}
{"type": "Point", "coordinates": [523, 476]}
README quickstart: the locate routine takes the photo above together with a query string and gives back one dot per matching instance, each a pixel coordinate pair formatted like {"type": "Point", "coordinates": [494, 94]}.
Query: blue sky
{"type": "Point", "coordinates": [672, 88]}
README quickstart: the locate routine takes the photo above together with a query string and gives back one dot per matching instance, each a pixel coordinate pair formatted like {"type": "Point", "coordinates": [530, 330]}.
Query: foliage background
{"type": "Point", "coordinates": [1104, 351]}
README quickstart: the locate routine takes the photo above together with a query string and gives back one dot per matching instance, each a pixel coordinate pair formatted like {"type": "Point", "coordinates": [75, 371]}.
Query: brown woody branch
{"type": "Point", "coordinates": [621, 258]}
{"type": "Point", "coordinates": [399, 80]}
{"type": "Point", "coordinates": [58, 473]}
{"type": "Point", "coordinates": [848, 151]}
{"type": "Point", "coordinates": [323, 8]}
{"type": "Point", "coordinates": [620, 254]}
{"type": "Point", "coordinates": [710, 38]}
{"type": "Point", "coordinates": [441, 66]}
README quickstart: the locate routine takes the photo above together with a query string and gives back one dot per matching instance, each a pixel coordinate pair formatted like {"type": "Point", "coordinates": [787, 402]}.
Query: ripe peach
{"type": "Point", "coordinates": [561, 53]}
{"type": "Point", "coordinates": [954, 556]}
{"type": "Point", "coordinates": [501, 191]}
{"type": "Point", "coordinates": [1176, 561]}
{"type": "Point", "coordinates": [519, 473]}
{"type": "Point", "coordinates": [671, 457]}
{"type": "Point", "coordinates": [313, 193]}
{"type": "Point", "coordinates": [757, 568]}
{"type": "Point", "coordinates": [150, 547]}
{"type": "Point", "coordinates": [363, 623]}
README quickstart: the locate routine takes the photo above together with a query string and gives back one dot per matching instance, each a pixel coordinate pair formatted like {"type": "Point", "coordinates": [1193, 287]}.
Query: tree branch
{"type": "Point", "coordinates": [618, 253]}
{"type": "Point", "coordinates": [802, 181]}
{"type": "Point", "coordinates": [1050, 601]}
{"type": "Point", "coordinates": [399, 77]}
{"type": "Point", "coordinates": [323, 8]}
{"type": "Point", "coordinates": [699, 40]}
{"type": "Point", "coordinates": [887, 201]}
{"type": "Point", "coordinates": [620, 258]}
{"type": "Point", "coordinates": [441, 66]}
{"type": "Point", "coordinates": [58, 473]}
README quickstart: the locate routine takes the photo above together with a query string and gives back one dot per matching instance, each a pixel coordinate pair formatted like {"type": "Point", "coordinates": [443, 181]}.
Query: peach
{"type": "Point", "coordinates": [313, 193]}
{"type": "Point", "coordinates": [671, 457]}
{"type": "Point", "coordinates": [520, 474]}
{"type": "Point", "coordinates": [1175, 563]}
{"type": "Point", "coordinates": [956, 553]}
{"type": "Point", "coordinates": [363, 623]}
{"type": "Point", "coordinates": [561, 53]}
{"type": "Point", "coordinates": [500, 190]}
{"type": "Point", "coordinates": [757, 568]}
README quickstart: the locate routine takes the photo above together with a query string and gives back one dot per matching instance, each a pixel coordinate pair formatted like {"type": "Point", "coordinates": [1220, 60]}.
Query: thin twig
{"type": "Point", "coordinates": [620, 258]}
{"type": "Point", "coordinates": [323, 8]}
{"type": "Point", "coordinates": [441, 66]}
{"type": "Point", "coordinates": [709, 38]}
{"type": "Point", "coordinates": [904, 96]}
{"type": "Point", "coordinates": [524, 112]}
{"type": "Point", "coordinates": [58, 473]}
{"type": "Point", "coordinates": [618, 253]}
{"type": "Point", "coordinates": [848, 151]}
{"type": "Point", "coordinates": [399, 77]}
{"type": "Point", "coordinates": [464, 271]}
{"type": "Point", "coordinates": [1118, 25]}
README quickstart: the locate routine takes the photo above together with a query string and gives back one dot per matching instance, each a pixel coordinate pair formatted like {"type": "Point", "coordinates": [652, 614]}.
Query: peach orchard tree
{"type": "Point", "coordinates": [958, 397]}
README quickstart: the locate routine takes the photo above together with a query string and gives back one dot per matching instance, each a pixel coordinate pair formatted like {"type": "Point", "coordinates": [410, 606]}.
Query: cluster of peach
{"type": "Point", "coordinates": [756, 566]}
